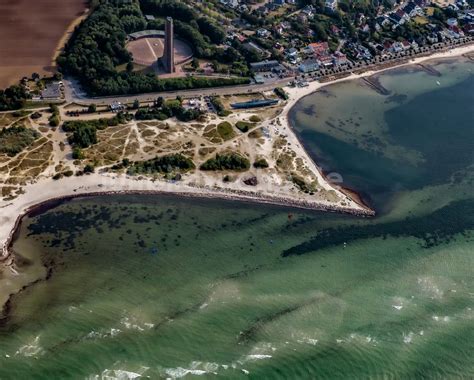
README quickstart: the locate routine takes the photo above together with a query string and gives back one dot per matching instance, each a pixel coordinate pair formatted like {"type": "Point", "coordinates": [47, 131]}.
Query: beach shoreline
{"type": "Point", "coordinates": [141, 187]}
{"type": "Point", "coordinates": [48, 190]}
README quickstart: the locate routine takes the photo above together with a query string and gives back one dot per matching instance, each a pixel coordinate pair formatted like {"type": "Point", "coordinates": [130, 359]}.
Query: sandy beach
{"type": "Point", "coordinates": [100, 183]}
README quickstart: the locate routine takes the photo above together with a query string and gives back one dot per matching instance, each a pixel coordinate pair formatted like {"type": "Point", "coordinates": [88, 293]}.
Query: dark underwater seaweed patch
{"type": "Point", "coordinates": [434, 229]}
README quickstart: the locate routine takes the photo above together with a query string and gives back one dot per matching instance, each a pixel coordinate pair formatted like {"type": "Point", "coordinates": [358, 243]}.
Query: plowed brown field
{"type": "Point", "coordinates": [30, 34]}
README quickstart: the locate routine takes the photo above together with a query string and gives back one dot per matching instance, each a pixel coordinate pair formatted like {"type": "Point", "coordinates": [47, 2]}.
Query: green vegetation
{"type": "Point", "coordinates": [227, 161]}
{"type": "Point", "coordinates": [84, 132]}
{"type": "Point", "coordinates": [21, 113]}
{"type": "Point", "coordinates": [100, 124]}
{"type": "Point", "coordinates": [55, 118]}
{"type": "Point", "coordinates": [77, 154]}
{"type": "Point", "coordinates": [302, 184]}
{"type": "Point", "coordinates": [280, 92]}
{"type": "Point", "coordinates": [67, 173]}
{"type": "Point", "coordinates": [14, 139]}
{"type": "Point", "coordinates": [220, 109]}
{"type": "Point", "coordinates": [165, 164]}
{"type": "Point", "coordinates": [98, 47]}
{"type": "Point", "coordinates": [13, 98]}
{"type": "Point", "coordinates": [225, 130]}
{"type": "Point", "coordinates": [261, 163]}
{"type": "Point", "coordinates": [256, 133]}
{"type": "Point", "coordinates": [89, 168]}
{"type": "Point", "coordinates": [255, 119]}
{"type": "Point", "coordinates": [84, 136]}
{"type": "Point", "coordinates": [244, 126]}
{"type": "Point", "coordinates": [199, 26]}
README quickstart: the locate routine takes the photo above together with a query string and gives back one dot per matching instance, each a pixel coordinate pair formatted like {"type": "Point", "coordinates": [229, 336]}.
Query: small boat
{"type": "Point", "coordinates": [437, 82]}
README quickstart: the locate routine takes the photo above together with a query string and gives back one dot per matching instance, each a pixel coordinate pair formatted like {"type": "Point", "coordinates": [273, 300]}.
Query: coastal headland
{"type": "Point", "coordinates": [270, 188]}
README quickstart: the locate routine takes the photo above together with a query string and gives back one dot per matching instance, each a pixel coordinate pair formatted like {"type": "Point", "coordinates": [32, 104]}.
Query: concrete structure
{"type": "Point", "coordinates": [168, 56]}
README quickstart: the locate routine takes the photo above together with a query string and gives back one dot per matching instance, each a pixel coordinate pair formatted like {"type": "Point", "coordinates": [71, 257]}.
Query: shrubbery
{"type": "Point", "coordinates": [14, 139]}
{"type": "Point", "coordinates": [244, 126]}
{"type": "Point", "coordinates": [227, 161]}
{"type": "Point", "coordinates": [84, 132]}
{"type": "Point", "coordinates": [281, 93]}
{"type": "Point", "coordinates": [55, 118]}
{"type": "Point", "coordinates": [225, 130]}
{"type": "Point", "coordinates": [219, 107]}
{"type": "Point", "coordinates": [261, 163]}
{"type": "Point", "coordinates": [163, 164]}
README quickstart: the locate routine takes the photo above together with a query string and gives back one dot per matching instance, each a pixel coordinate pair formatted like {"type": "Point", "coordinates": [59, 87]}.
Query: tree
{"type": "Point", "coordinates": [54, 120]}
{"type": "Point", "coordinates": [92, 108]}
{"type": "Point", "coordinates": [195, 63]}
{"type": "Point", "coordinates": [84, 136]}
{"type": "Point", "coordinates": [13, 97]}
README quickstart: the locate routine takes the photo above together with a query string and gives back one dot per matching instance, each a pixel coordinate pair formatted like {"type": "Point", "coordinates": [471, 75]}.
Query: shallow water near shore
{"type": "Point", "coordinates": [168, 288]}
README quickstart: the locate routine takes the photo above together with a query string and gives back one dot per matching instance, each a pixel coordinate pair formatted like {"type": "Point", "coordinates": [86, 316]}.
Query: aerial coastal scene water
{"type": "Point", "coordinates": [167, 287]}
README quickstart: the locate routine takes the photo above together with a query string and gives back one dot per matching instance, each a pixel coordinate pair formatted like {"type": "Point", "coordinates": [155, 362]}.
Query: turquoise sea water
{"type": "Point", "coordinates": [164, 287]}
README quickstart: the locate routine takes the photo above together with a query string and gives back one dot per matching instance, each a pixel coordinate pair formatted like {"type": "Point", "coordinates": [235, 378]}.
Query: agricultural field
{"type": "Point", "coordinates": [30, 33]}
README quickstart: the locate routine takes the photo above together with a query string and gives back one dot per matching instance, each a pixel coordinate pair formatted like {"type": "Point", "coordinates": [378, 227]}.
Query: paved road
{"type": "Point", "coordinates": [74, 95]}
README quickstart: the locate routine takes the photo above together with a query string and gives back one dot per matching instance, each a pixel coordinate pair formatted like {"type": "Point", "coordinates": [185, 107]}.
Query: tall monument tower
{"type": "Point", "coordinates": [168, 57]}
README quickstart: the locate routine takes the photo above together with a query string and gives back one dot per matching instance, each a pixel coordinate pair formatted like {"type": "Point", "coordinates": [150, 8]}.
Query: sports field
{"type": "Point", "coordinates": [30, 32]}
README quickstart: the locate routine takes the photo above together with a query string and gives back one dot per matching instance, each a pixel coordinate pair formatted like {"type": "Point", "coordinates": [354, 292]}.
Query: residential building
{"type": "Point", "coordinates": [308, 66]}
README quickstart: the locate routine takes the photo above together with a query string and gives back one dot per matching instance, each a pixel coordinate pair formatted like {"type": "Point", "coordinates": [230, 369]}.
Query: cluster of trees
{"type": "Point", "coordinates": [55, 118]}
{"type": "Point", "coordinates": [226, 161]}
{"type": "Point", "coordinates": [98, 47]}
{"type": "Point", "coordinates": [84, 132]}
{"type": "Point", "coordinates": [13, 98]}
{"type": "Point", "coordinates": [14, 139]}
{"type": "Point", "coordinates": [164, 164]}
{"type": "Point", "coordinates": [185, 15]}
{"type": "Point", "coordinates": [83, 136]}
{"type": "Point", "coordinates": [162, 110]}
